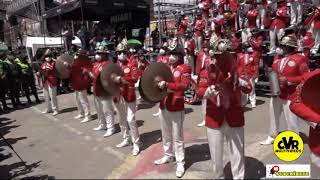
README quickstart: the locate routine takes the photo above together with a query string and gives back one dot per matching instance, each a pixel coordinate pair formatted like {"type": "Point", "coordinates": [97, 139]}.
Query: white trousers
{"type": "Point", "coordinates": [127, 120]}
{"type": "Point", "coordinates": [82, 103]}
{"type": "Point", "coordinates": [275, 34]}
{"type": "Point", "coordinates": [316, 35]}
{"type": "Point", "coordinates": [172, 132]}
{"type": "Point", "coordinates": [277, 106]}
{"type": "Point", "coordinates": [261, 15]}
{"type": "Point", "coordinates": [296, 12]}
{"type": "Point", "coordinates": [315, 159]}
{"type": "Point", "coordinates": [245, 35]}
{"type": "Point", "coordinates": [50, 96]}
{"type": "Point", "coordinates": [204, 108]}
{"type": "Point", "coordinates": [252, 95]}
{"type": "Point", "coordinates": [104, 111]}
{"type": "Point", "coordinates": [234, 138]}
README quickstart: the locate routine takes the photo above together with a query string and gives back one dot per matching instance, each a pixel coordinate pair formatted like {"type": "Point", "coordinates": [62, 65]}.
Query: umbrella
{"type": "Point", "coordinates": [134, 42]}
{"type": "Point", "coordinates": [3, 47]}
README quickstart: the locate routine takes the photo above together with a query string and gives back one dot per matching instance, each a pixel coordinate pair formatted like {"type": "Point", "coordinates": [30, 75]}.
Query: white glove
{"type": "Point", "coordinates": [162, 84]}
{"type": "Point", "coordinates": [65, 63]}
{"type": "Point", "coordinates": [117, 79]}
{"type": "Point", "coordinates": [243, 83]}
{"type": "Point", "coordinates": [211, 91]}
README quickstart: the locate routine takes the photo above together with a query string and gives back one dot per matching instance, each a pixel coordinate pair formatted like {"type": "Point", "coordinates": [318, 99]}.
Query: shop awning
{"type": "Point", "coordinates": [95, 9]}
{"type": "Point", "coordinates": [18, 5]}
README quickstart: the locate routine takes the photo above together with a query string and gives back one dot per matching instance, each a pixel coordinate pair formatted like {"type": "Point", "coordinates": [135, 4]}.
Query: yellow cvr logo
{"type": "Point", "coordinates": [288, 146]}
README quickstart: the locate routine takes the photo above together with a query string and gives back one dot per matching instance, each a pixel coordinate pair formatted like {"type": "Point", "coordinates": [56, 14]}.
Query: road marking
{"type": "Point", "coordinates": [118, 154]}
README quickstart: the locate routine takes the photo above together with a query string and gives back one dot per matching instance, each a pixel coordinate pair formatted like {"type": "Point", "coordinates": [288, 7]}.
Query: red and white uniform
{"type": "Point", "coordinates": [133, 59]}
{"type": "Point", "coordinates": [199, 27]}
{"type": "Point", "coordinates": [252, 16]}
{"type": "Point", "coordinates": [291, 67]}
{"type": "Point", "coordinates": [50, 85]}
{"type": "Point", "coordinates": [80, 83]}
{"type": "Point", "coordinates": [315, 29]}
{"type": "Point", "coordinates": [201, 60]}
{"type": "Point", "coordinates": [163, 59]}
{"type": "Point", "coordinates": [205, 5]}
{"type": "Point", "coordinates": [125, 103]}
{"type": "Point", "coordinates": [172, 113]}
{"type": "Point", "coordinates": [103, 104]}
{"type": "Point", "coordinates": [248, 66]}
{"type": "Point", "coordinates": [142, 65]}
{"type": "Point", "coordinates": [277, 26]}
{"type": "Point", "coordinates": [182, 28]}
{"type": "Point", "coordinates": [225, 121]}
{"type": "Point", "coordinates": [261, 6]}
{"type": "Point", "coordinates": [312, 117]}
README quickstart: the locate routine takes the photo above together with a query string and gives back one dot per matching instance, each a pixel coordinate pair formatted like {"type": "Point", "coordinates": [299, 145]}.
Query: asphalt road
{"type": "Point", "coordinates": [61, 147]}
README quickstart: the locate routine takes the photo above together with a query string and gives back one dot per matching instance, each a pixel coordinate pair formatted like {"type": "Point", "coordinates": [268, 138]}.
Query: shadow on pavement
{"type": "Point", "coordinates": [145, 105]}
{"type": "Point", "coordinates": [254, 169]}
{"type": "Point", "coordinates": [150, 138]}
{"type": "Point", "coordinates": [196, 153]}
{"type": "Point", "coordinates": [68, 110]}
{"type": "Point", "coordinates": [188, 110]}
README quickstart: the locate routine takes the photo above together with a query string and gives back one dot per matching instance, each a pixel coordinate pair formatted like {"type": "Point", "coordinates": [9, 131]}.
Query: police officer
{"type": "Point", "coordinates": [27, 79]}
{"type": "Point", "coordinates": [3, 82]}
{"type": "Point", "coordinates": [13, 80]}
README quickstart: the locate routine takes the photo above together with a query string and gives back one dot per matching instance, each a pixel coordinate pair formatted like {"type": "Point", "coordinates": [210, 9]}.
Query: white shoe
{"type": "Point", "coordinates": [99, 128]}
{"type": "Point", "coordinates": [86, 119]}
{"type": "Point", "coordinates": [55, 113]}
{"type": "Point", "coordinates": [135, 150]}
{"type": "Point", "coordinates": [156, 114]}
{"type": "Point", "coordinates": [125, 142]}
{"type": "Point", "coordinates": [202, 124]}
{"type": "Point", "coordinates": [180, 170]}
{"type": "Point", "coordinates": [46, 111]}
{"type": "Point", "coordinates": [79, 116]}
{"type": "Point", "coordinates": [253, 106]}
{"type": "Point", "coordinates": [268, 141]}
{"type": "Point", "coordinates": [109, 132]}
{"type": "Point", "coordinates": [165, 159]}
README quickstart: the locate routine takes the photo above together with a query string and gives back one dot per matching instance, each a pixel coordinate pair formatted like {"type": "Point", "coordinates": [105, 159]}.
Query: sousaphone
{"type": "Point", "coordinates": [63, 72]}
{"type": "Point", "coordinates": [150, 78]}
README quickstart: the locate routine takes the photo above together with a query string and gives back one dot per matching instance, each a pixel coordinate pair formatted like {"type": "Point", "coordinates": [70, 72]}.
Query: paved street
{"type": "Point", "coordinates": [61, 147]}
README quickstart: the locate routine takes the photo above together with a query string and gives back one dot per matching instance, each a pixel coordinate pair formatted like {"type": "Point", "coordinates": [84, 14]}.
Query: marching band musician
{"type": "Point", "coordinates": [203, 56]}
{"type": "Point", "coordinates": [261, 6]}
{"type": "Point", "coordinates": [315, 29]}
{"type": "Point", "coordinates": [248, 66]}
{"type": "Point", "coordinates": [125, 102]}
{"type": "Point", "coordinates": [224, 116]}
{"type": "Point", "coordinates": [132, 56]}
{"type": "Point", "coordinates": [199, 29]}
{"type": "Point", "coordinates": [189, 47]}
{"type": "Point", "coordinates": [80, 82]}
{"type": "Point", "coordinates": [277, 25]}
{"type": "Point", "coordinates": [142, 61]}
{"type": "Point", "coordinates": [290, 67]}
{"type": "Point", "coordinates": [172, 110]}
{"type": "Point", "coordinates": [103, 104]}
{"type": "Point", "coordinates": [182, 25]}
{"type": "Point", "coordinates": [252, 16]}
{"type": "Point", "coordinates": [50, 83]}
{"type": "Point", "coordinates": [312, 116]}
{"type": "Point", "coordinates": [203, 83]}
{"type": "Point", "coordinates": [205, 6]}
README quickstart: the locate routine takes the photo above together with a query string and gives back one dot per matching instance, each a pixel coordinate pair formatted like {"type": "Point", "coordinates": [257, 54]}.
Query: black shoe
{"type": "Point", "coordinates": [38, 101]}
{"type": "Point", "coordinates": [6, 108]}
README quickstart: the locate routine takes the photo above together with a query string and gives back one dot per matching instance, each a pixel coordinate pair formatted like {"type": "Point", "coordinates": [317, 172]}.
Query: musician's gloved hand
{"type": "Point", "coordinates": [162, 84]}
{"type": "Point", "coordinates": [243, 83]}
{"type": "Point", "coordinates": [211, 91]}
{"type": "Point", "coordinates": [117, 79]}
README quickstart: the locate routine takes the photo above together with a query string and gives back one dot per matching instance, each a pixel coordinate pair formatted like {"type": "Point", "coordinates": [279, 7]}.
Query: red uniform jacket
{"type": "Point", "coordinates": [308, 114]}
{"type": "Point", "coordinates": [131, 75]}
{"type": "Point", "coordinates": [96, 70]}
{"type": "Point", "coordinates": [206, 5]}
{"type": "Point", "coordinates": [78, 80]}
{"type": "Point", "coordinates": [248, 66]}
{"type": "Point", "coordinates": [293, 67]}
{"type": "Point", "coordinates": [190, 45]}
{"type": "Point", "coordinates": [203, 58]}
{"type": "Point", "coordinates": [49, 68]}
{"type": "Point", "coordinates": [133, 59]}
{"type": "Point", "coordinates": [256, 42]}
{"type": "Point", "coordinates": [182, 79]}
{"type": "Point", "coordinates": [181, 30]}
{"type": "Point", "coordinates": [281, 18]}
{"type": "Point", "coordinates": [199, 27]}
{"type": "Point", "coordinates": [234, 115]}
{"type": "Point", "coordinates": [202, 81]}
{"type": "Point", "coordinates": [163, 59]}
{"type": "Point", "coordinates": [142, 65]}
{"type": "Point", "coordinates": [252, 17]}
